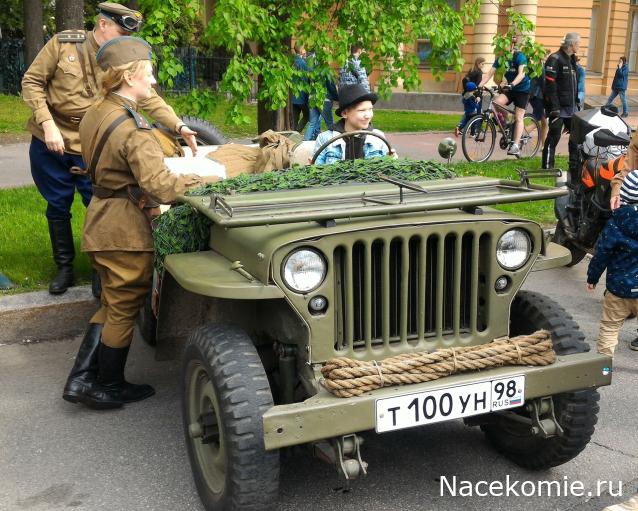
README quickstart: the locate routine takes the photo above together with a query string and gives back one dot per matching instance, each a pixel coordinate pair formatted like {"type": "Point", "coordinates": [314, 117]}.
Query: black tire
{"type": "Point", "coordinates": [224, 383]}
{"type": "Point", "coordinates": [479, 138]}
{"type": "Point", "coordinates": [147, 322]}
{"type": "Point", "coordinates": [207, 134]}
{"type": "Point", "coordinates": [530, 137]}
{"type": "Point", "coordinates": [576, 412]}
{"type": "Point", "coordinates": [561, 238]}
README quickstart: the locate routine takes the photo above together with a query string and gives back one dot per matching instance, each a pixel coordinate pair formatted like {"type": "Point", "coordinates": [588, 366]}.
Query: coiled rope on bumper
{"type": "Point", "coordinates": [345, 377]}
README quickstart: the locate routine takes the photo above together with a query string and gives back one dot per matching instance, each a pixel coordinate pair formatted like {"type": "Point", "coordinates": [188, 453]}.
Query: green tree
{"type": "Point", "coordinates": [388, 30]}
{"type": "Point", "coordinates": [167, 24]}
{"type": "Point", "coordinates": [519, 25]}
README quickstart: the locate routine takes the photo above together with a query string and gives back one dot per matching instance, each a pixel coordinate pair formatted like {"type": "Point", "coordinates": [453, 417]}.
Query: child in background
{"type": "Point", "coordinates": [617, 250]}
{"type": "Point", "coordinates": [471, 106]}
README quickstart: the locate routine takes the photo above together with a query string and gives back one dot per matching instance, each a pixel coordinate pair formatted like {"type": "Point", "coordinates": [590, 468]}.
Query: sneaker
{"type": "Point", "coordinates": [634, 344]}
{"type": "Point", "coordinates": [629, 505]}
{"type": "Point", "coordinates": [625, 115]}
{"type": "Point", "coordinates": [514, 150]}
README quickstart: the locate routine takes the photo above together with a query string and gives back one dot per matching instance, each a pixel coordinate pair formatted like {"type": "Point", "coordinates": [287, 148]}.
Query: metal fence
{"type": "Point", "coordinates": [11, 65]}
{"type": "Point", "coordinates": [200, 70]}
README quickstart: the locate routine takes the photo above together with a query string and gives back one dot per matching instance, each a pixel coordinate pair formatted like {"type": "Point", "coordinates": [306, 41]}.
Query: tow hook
{"type": "Point", "coordinates": [542, 419]}
{"type": "Point", "coordinates": [544, 423]}
{"type": "Point", "coordinates": [345, 454]}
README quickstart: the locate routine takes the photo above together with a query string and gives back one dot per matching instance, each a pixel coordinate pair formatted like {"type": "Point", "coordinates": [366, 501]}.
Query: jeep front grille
{"type": "Point", "coordinates": [406, 290]}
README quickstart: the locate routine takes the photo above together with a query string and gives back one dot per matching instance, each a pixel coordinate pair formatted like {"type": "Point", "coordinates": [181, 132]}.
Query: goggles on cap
{"type": "Point", "coordinates": [130, 23]}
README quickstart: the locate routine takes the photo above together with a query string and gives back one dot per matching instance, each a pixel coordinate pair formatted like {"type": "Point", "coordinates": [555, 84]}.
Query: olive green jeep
{"type": "Point", "coordinates": [293, 278]}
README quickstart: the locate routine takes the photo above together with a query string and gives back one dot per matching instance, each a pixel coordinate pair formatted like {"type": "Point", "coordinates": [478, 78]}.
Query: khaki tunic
{"type": "Point", "coordinates": [53, 87]}
{"type": "Point", "coordinates": [131, 156]}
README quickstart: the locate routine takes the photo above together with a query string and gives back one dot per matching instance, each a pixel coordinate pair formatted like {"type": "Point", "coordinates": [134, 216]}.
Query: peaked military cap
{"type": "Point", "coordinates": [126, 18]}
{"type": "Point", "coordinates": [122, 50]}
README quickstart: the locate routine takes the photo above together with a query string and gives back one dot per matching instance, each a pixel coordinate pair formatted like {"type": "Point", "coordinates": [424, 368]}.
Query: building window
{"type": "Point", "coordinates": [423, 51]}
{"type": "Point", "coordinates": [424, 47]}
{"type": "Point", "coordinates": [598, 35]}
{"type": "Point", "coordinates": [632, 52]}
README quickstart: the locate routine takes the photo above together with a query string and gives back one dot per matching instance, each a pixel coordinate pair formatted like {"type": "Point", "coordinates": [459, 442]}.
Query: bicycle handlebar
{"type": "Point", "coordinates": [491, 90]}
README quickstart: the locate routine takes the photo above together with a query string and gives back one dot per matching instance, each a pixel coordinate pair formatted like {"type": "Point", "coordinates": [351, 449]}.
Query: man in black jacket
{"type": "Point", "coordinates": [561, 97]}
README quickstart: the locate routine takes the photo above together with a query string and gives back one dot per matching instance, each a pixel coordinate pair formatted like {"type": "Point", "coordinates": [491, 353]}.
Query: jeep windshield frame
{"type": "Point", "coordinates": [323, 204]}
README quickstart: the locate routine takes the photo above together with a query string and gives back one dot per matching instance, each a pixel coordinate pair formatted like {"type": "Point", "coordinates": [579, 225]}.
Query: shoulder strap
{"type": "Point", "coordinates": [140, 121]}
{"type": "Point", "coordinates": [97, 152]}
{"type": "Point", "coordinates": [72, 36]}
{"type": "Point", "coordinates": [87, 86]}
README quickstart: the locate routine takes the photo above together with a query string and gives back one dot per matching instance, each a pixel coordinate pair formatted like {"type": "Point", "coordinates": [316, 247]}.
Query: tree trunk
{"type": "Point", "coordinates": [277, 120]}
{"type": "Point", "coordinates": [69, 15]}
{"type": "Point", "coordinates": [33, 33]}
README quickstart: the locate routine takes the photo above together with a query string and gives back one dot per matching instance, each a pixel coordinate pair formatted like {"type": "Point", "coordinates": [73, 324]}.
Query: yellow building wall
{"type": "Point", "coordinates": [554, 19]}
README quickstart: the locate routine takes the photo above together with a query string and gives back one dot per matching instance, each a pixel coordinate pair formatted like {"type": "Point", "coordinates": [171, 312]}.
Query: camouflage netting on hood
{"type": "Point", "coordinates": [182, 229]}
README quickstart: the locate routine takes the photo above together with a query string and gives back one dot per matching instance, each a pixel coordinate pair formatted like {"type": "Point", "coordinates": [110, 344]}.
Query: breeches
{"type": "Point", "coordinates": [126, 279]}
{"type": "Point", "coordinates": [615, 312]}
{"type": "Point", "coordinates": [55, 183]}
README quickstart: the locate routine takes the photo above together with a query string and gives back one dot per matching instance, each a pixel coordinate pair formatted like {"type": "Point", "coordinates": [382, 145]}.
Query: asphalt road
{"type": "Point", "coordinates": [55, 455]}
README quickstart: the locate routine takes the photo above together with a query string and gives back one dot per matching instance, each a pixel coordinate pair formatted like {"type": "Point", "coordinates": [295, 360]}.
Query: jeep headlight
{"type": "Point", "coordinates": [513, 249]}
{"type": "Point", "coordinates": [304, 270]}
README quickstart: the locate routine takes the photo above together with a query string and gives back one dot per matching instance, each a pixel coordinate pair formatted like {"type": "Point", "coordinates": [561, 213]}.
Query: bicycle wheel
{"type": "Point", "coordinates": [530, 137]}
{"type": "Point", "coordinates": [479, 137]}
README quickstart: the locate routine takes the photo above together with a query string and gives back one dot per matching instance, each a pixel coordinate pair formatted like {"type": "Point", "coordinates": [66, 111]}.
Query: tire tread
{"type": "Point", "coordinates": [244, 396]}
{"type": "Point", "coordinates": [576, 411]}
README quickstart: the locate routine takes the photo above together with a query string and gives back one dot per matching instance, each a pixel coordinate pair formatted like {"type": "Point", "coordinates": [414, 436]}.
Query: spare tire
{"type": "Point", "coordinates": [207, 134]}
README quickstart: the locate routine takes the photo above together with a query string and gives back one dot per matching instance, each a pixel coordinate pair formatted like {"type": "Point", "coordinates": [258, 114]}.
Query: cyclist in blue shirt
{"type": "Point", "coordinates": [516, 91]}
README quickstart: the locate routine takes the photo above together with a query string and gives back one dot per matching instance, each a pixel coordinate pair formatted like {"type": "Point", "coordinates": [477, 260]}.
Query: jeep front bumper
{"type": "Point", "coordinates": [326, 416]}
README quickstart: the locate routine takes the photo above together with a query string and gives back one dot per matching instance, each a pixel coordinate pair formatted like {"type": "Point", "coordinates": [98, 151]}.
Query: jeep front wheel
{"type": "Point", "coordinates": [576, 412]}
{"type": "Point", "coordinates": [225, 393]}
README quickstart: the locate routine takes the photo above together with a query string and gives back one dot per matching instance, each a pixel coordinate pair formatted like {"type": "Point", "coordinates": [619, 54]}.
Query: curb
{"type": "Point", "coordinates": [39, 316]}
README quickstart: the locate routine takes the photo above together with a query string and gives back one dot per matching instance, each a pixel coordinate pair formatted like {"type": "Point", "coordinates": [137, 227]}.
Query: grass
{"type": "Point", "coordinates": [25, 256]}
{"type": "Point", "coordinates": [14, 114]}
{"type": "Point", "coordinates": [540, 211]}
{"type": "Point", "coordinates": [26, 251]}
{"type": "Point", "coordinates": [390, 121]}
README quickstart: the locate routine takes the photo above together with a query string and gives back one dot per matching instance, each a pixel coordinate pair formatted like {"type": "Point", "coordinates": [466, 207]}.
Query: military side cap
{"type": "Point", "coordinates": [126, 18]}
{"type": "Point", "coordinates": [122, 50]}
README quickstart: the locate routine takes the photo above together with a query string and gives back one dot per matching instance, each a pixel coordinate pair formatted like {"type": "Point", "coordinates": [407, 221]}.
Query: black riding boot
{"type": "Point", "coordinates": [96, 284]}
{"type": "Point", "coordinates": [63, 254]}
{"type": "Point", "coordinates": [111, 389]}
{"type": "Point", "coordinates": [84, 372]}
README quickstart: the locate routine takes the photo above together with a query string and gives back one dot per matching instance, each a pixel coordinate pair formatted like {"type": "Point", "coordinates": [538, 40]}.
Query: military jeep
{"type": "Point", "coordinates": [291, 279]}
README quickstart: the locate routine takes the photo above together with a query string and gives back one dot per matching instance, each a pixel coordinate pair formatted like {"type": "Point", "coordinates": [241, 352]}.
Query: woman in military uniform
{"type": "Point", "coordinates": [60, 85]}
{"type": "Point", "coordinates": [126, 166]}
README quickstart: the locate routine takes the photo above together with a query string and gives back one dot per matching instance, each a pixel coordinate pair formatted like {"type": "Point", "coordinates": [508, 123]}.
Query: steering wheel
{"type": "Point", "coordinates": [348, 134]}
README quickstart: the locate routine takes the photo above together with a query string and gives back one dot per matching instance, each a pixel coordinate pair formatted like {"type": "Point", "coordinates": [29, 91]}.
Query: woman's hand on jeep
{"type": "Point", "coordinates": [189, 137]}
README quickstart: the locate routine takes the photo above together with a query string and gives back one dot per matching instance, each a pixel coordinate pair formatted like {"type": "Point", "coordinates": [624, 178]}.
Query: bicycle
{"type": "Point", "coordinates": [479, 135]}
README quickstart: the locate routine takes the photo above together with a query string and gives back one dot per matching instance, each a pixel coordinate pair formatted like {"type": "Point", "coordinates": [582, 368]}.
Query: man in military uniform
{"type": "Point", "coordinates": [60, 85]}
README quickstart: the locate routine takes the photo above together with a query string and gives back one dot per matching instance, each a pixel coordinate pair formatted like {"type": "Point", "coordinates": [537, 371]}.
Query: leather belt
{"type": "Point", "coordinates": [69, 119]}
{"type": "Point", "coordinates": [132, 192]}
{"type": "Point", "coordinates": [106, 193]}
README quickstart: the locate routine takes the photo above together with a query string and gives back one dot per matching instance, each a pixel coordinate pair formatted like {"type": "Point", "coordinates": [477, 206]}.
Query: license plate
{"type": "Point", "coordinates": [449, 403]}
